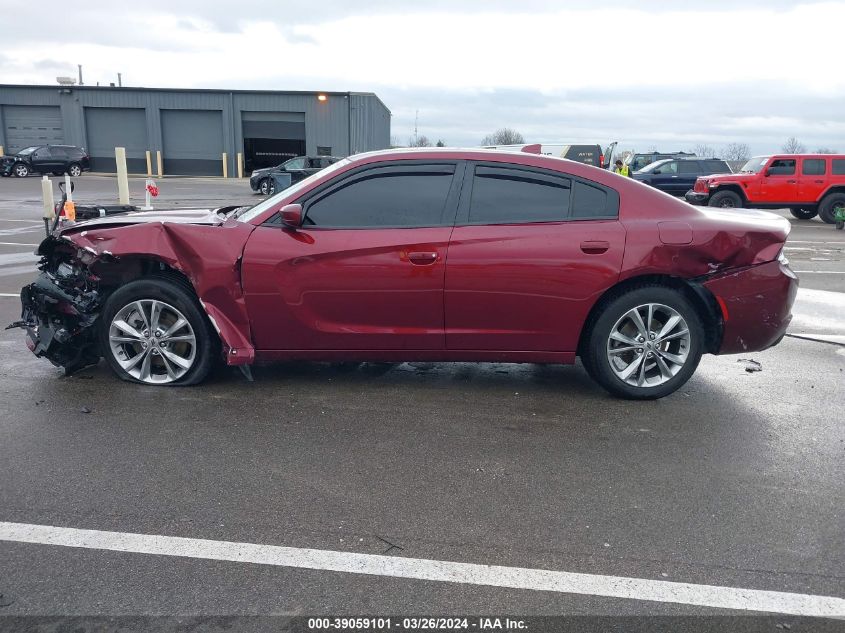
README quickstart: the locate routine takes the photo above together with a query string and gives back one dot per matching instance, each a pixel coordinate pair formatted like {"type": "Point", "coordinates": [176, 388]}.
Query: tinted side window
{"type": "Point", "coordinates": [388, 198]}
{"type": "Point", "coordinates": [668, 168]}
{"type": "Point", "coordinates": [715, 167]}
{"type": "Point", "coordinates": [512, 196]}
{"type": "Point", "coordinates": [782, 167]}
{"type": "Point", "coordinates": [58, 152]}
{"type": "Point", "coordinates": [813, 166]}
{"type": "Point", "coordinates": [688, 167]}
{"type": "Point", "coordinates": [838, 167]}
{"type": "Point", "coordinates": [591, 202]}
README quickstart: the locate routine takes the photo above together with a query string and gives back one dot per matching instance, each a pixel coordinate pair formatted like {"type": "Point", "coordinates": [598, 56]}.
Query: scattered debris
{"type": "Point", "coordinates": [751, 365]}
{"type": "Point", "coordinates": [6, 600]}
{"type": "Point", "coordinates": [85, 410]}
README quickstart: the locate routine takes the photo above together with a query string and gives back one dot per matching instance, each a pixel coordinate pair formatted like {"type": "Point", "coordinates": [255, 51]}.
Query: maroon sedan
{"type": "Point", "coordinates": [434, 255]}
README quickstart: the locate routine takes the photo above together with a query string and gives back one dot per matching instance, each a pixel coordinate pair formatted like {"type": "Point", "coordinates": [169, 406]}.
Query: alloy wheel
{"type": "Point", "coordinates": [21, 171]}
{"type": "Point", "coordinates": [648, 345]}
{"type": "Point", "coordinates": [152, 341]}
{"type": "Point", "coordinates": [75, 170]}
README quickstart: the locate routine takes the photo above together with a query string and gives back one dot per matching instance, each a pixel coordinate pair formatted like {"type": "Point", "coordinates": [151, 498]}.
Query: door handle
{"type": "Point", "coordinates": [422, 258]}
{"type": "Point", "coordinates": [819, 182]}
{"type": "Point", "coordinates": [791, 182]}
{"type": "Point", "coordinates": [595, 247]}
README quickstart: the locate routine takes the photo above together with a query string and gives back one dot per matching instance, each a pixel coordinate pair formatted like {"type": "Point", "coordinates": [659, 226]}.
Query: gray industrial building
{"type": "Point", "coordinates": [192, 128]}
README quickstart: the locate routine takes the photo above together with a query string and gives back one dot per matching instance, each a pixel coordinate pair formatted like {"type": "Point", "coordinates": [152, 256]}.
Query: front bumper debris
{"type": "Point", "coordinates": [59, 313]}
{"type": "Point", "coordinates": [696, 197]}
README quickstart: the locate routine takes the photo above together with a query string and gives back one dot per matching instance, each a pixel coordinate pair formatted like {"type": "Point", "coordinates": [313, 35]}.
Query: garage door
{"type": "Point", "coordinates": [32, 125]}
{"type": "Point", "coordinates": [192, 142]}
{"type": "Point", "coordinates": [107, 128]}
{"type": "Point", "coordinates": [271, 138]}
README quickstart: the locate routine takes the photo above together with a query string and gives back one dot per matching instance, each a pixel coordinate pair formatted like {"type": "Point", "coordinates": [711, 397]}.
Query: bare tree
{"type": "Point", "coordinates": [826, 150]}
{"type": "Point", "coordinates": [440, 143]}
{"type": "Point", "coordinates": [704, 151]}
{"type": "Point", "coordinates": [394, 142]}
{"type": "Point", "coordinates": [793, 146]}
{"type": "Point", "coordinates": [420, 141]}
{"type": "Point", "coordinates": [503, 136]}
{"type": "Point", "coordinates": [736, 152]}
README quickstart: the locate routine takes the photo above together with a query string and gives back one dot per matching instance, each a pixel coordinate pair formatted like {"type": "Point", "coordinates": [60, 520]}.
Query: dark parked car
{"type": "Point", "coordinates": [678, 175]}
{"type": "Point", "coordinates": [46, 159]}
{"type": "Point", "coordinates": [298, 168]}
{"type": "Point", "coordinates": [635, 162]}
{"type": "Point", "coordinates": [548, 259]}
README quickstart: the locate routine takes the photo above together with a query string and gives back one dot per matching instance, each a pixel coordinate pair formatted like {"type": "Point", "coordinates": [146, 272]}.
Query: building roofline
{"type": "Point", "coordinates": [330, 93]}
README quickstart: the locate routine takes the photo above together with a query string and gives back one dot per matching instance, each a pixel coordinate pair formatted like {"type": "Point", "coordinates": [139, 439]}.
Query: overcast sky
{"type": "Point", "coordinates": [666, 75]}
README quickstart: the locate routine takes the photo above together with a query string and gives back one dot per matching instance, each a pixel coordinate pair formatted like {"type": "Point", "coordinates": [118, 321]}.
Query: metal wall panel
{"type": "Point", "coordinates": [31, 125]}
{"type": "Point", "coordinates": [193, 142]}
{"type": "Point", "coordinates": [108, 128]}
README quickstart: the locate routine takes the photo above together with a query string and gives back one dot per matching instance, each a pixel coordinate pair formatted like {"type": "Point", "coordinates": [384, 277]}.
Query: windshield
{"type": "Point", "coordinates": [652, 166]}
{"type": "Point", "coordinates": [754, 165]}
{"type": "Point", "coordinates": [262, 206]}
{"type": "Point", "coordinates": [27, 150]}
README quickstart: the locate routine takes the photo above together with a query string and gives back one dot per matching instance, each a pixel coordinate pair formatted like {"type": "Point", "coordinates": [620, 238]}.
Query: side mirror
{"type": "Point", "coordinates": [292, 215]}
{"type": "Point", "coordinates": [767, 173]}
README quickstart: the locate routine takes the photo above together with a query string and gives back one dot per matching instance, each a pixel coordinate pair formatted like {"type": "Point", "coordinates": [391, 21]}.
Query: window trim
{"type": "Point", "coordinates": [447, 217]}
{"type": "Point", "coordinates": [466, 195]}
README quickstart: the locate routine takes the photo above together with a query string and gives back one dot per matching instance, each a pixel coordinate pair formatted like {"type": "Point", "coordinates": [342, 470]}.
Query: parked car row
{"type": "Point", "coordinates": [678, 175]}
{"type": "Point", "coordinates": [46, 159]}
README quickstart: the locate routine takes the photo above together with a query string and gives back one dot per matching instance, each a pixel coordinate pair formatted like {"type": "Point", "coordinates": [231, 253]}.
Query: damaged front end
{"type": "Point", "coordinates": [60, 309]}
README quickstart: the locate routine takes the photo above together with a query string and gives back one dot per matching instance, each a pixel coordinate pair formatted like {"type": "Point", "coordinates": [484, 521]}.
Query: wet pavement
{"type": "Point", "coordinates": [736, 480]}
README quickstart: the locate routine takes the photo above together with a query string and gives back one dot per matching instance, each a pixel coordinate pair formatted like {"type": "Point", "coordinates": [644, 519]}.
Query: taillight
{"type": "Point", "coordinates": [700, 186]}
{"type": "Point", "coordinates": [601, 160]}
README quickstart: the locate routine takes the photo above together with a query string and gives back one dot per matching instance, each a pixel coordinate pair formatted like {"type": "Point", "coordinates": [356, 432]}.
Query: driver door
{"type": "Point", "coordinates": [366, 269]}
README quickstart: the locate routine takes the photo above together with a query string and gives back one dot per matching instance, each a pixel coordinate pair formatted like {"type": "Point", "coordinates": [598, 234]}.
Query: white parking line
{"type": "Point", "coordinates": [15, 244]}
{"type": "Point", "coordinates": [432, 570]}
{"type": "Point", "coordinates": [820, 272]}
{"type": "Point", "coordinates": [10, 294]}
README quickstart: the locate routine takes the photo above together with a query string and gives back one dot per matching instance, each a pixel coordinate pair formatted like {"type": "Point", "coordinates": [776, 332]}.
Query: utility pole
{"type": "Point", "coordinates": [416, 121]}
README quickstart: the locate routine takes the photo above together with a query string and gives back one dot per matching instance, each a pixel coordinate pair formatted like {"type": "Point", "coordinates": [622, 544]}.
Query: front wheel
{"type": "Point", "coordinates": [267, 187]}
{"type": "Point", "coordinates": [725, 200]}
{"type": "Point", "coordinates": [153, 332]}
{"type": "Point", "coordinates": [21, 170]}
{"type": "Point", "coordinates": [75, 170]}
{"type": "Point", "coordinates": [644, 344]}
{"type": "Point", "coordinates": [803, 214]}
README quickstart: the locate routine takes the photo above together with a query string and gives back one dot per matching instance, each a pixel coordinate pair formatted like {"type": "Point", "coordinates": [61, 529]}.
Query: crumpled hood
{"type": "Point", "coordinates": [175, 216]}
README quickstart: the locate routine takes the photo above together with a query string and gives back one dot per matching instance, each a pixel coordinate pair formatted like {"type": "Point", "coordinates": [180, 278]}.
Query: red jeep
{"type": "Point", "coordinates": [808, 184]}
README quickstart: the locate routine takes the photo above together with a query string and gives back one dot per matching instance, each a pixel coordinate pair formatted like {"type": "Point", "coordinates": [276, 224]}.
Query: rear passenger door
{"type": "Point", "coordinates": [531, 251]}
{"type": "Point", "coordinates": [812, 180]}
{"type": "Point", "coordinates": [688, 173]}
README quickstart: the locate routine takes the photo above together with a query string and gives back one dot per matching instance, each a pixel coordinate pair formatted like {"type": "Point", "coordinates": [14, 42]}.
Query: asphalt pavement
{"type": "Point", "coordinates": [736, 481]}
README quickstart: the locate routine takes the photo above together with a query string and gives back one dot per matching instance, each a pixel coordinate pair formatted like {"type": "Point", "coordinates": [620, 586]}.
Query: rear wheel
{"type": "Point", "coordinates": [803, 214]}
{"type": "Point", "coordinates": [827, 209]}
{"type": "Point", "coordinates": [20, 170]}
{"type": "Point", "coordinates": [153, 332]}
{"type": "Point", "coordinates": [645, 343]}
{"type": "Point", "coordinates": [725, 200]}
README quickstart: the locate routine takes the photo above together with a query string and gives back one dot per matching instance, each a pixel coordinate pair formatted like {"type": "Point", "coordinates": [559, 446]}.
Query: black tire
{"type": "Point", "coordinates": [74, 170]}
{"type": "Point", "coordinates": [803, 214]}
{"type": "Point", "coordinates": [828, 206]}
{"type": "Point", "coordinates": [594, 354]}
{"type": "Point", "coordinates": [725, 200]}
{"type": "Point", "coordinates": [20, 170]}
{"type": "Point", "coordinates": [267, 187]}
{"type": "Point", "coordinates": [179, 295]}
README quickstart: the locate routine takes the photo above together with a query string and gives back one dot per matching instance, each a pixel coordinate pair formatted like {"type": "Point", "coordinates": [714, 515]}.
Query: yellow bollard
{"type": "Point", "coordinates": [122, 175]}
{"type": "Point", "coordinates": [149, 164]}
{"type": "Point", "coordinates": [47, 194]}
{"type": "Point", "coordinates": [225, 166]}
{"type": "Point", "coordinates": [240, 165]}
{"type": "Point", "coordinates": [1, 151]}
{"type": "Point", "coordinates": [158, 161]}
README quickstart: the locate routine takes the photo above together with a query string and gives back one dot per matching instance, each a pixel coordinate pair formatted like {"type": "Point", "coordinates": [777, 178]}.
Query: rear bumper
{"type": "Point", "coordinates": [694, 197]}
{"type": "Point", "coordinates": [756, 306]}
